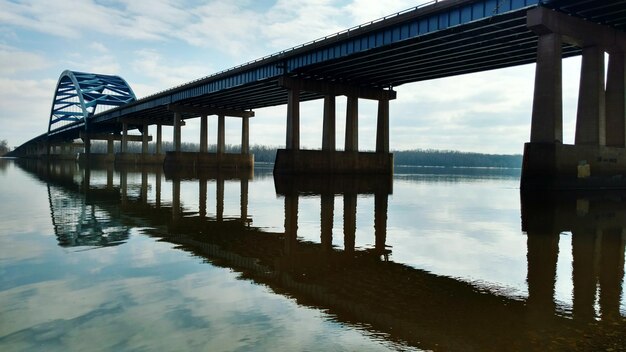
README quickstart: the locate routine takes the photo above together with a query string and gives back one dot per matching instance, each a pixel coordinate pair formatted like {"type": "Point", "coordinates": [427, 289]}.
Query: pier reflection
{"type": "Point", "coordinates": [364, 287]}
{"type": "Point", "coordinates": [291, 188]}
{"type": "Point", "coordinates": [597, 223]}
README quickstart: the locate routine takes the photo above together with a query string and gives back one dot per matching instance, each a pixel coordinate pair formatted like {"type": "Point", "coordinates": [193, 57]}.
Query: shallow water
{"type": "Point", "coordinates": [434, 259]}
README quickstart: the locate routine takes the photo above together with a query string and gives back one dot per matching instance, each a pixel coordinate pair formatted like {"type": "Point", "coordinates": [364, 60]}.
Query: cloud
{"type": "Point", "coordinates": [14, 60]}
{"type": "Point", "coordinates": [364, 11]}
{"type": "Point", "coordinates": [291, 23]}
{"type": "Point", "coordinates": [150, 63]}
{"type": "Point", "coordinates": [25, 108]}
{"type": "Point", "coordinates": [98, 47]}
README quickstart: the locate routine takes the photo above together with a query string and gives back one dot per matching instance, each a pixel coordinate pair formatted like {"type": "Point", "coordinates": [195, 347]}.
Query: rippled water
{"type": "Point", "coordinates": [434, 259]}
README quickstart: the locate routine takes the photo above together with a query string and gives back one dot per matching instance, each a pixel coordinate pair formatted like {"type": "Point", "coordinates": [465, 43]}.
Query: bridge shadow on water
{"type": "Point", "coordinates": [364, 287]}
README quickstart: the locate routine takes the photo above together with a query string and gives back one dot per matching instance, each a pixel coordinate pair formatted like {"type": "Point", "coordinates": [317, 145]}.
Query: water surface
{"type": "Point", "coordinates": [105, 258]}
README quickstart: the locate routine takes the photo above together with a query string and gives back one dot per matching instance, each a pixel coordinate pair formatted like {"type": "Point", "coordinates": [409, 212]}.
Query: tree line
{"type": "Point", "coordinates": [416, 157]}
{"type": "Point", "coordinates": [4, 147]}
{"type": "Point", "coordinates": [451, 158]}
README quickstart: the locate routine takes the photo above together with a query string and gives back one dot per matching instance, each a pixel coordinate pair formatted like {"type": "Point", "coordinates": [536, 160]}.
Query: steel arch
{"type": "Point", "coordinates": [79, 94]}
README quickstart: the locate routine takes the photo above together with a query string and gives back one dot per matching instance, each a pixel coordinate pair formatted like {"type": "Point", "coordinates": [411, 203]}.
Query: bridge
{"type": "Point", "coordinates": [440, 39]}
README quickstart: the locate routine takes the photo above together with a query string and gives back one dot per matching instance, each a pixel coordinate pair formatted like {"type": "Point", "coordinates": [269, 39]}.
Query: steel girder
{"type": "Point", "coordinates": [79, 94]}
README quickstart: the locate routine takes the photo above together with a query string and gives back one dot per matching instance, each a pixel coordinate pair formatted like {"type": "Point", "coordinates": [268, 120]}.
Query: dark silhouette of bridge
{"type": "Point", "coordinates": [443, 38]}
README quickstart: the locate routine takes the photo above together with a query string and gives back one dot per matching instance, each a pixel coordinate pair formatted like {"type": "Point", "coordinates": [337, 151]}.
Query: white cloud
{"type": "Point", "coordinates": [98, 47]}
{"type": "Point", "coordinates": [25, 108]}
{"type": "Point", "coordinates": [166, 75]}
{"type": "Point", "coordinates": [14, 60]}
{"type": "Point", "coordinates": [363, 11]}
{"type": "Point", "coordinates": [291, 23]}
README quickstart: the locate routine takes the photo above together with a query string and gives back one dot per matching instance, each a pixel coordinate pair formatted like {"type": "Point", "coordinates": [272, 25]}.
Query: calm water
{"type": "Point", "coordinates": [435, 259]}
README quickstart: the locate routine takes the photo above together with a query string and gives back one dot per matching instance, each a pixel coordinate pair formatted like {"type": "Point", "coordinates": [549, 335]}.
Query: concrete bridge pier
{"type": "Point", "coordinates": [598, 157]}
{"type": "Point", "coordinates": [294, 160]}
{"type": "Point", "coordinates": [125, 157]}
{"type": "Point", "coordinates": [57, 150]}
{"type": "Point", "coordinates": [203, 159]}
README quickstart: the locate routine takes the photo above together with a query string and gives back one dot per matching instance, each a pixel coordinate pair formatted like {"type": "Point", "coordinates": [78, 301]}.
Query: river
{"type": "Point", "coordinates": [441, 259]}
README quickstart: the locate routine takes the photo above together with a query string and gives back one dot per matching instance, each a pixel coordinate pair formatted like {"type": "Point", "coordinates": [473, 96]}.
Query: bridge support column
{"type": "Point", "coordinates": [87, 142]}
{"type": "Point", "coordinates": [616, 100]}
{"type": "Point", "coordinates": [124, 137]}
{"type": "Point", "coordinates": [124, 142]}
{"type": "Point", "coordinates": [293, 119]}
{"type": "Point", "coordinates": [144, 139]}
{"type": "Point", "coordinates": [159, 142]}
{"type": "Point", "coordinates": [547, 114]}
{"type": "Point", "coordinates": [177, 132]}
{"type": "Point", "coordinates": [352, 124]}
{"type": "Point", "coordinates": [382, 130]}
{"type": "Point", "coordinates": [221, 134]}
{"type": "Point", "coordinates": [245, 135]}
{"type": "Point", "coordinates": [110, 147]}
{"type": "Point", "coordinates": [204, 140]}
{"type": "Point", "coordinates": [598, 158]}
{"type": "Point", "coordinates": [329, 130]}
{"type": "Point", "coordinates": [590, 120]}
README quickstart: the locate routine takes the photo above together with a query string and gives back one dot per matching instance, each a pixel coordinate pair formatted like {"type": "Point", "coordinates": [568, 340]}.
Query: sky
{"type": "Point", "coordinates": [158, 44]}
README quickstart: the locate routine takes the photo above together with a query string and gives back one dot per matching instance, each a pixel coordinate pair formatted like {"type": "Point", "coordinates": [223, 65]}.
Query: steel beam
{"type": "Point", "coordinates": [207, 110]}
{"type": "Point", "coordinates": [149, 121]}
{"type": "Point", "coordinates": [112, 137]}
{"type": "Point", "coordinates": [334, 88]}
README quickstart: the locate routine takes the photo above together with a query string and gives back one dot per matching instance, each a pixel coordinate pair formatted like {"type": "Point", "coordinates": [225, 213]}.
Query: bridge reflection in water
{"type": "Point", "coordinates": [362, 286]}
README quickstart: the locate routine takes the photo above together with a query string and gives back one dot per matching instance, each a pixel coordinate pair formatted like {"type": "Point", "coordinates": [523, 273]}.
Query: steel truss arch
{"type": "Point", "coordinates": [79, 94]}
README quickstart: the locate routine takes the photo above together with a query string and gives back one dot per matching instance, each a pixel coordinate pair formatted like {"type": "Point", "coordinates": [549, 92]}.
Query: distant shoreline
{"type": "Point", "coordinates": [416, 157]}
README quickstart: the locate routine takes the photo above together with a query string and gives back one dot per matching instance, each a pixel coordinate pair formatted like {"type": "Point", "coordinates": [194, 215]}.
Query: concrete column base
{"type": "Point", "coordinates": [332, 162]}
{"type": "Point", "coordinates": [562, 166]}
{"type": "Point", "coordinates": [139, 159]}
{"type": "Point", "coordinates": [200, 161]}
{"type": "Point", "coordinates": [290, 184]}
{"type": "Point", "coordinates": [95, 158]}
{"type": "Point", "coordinates": [55, 157]}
